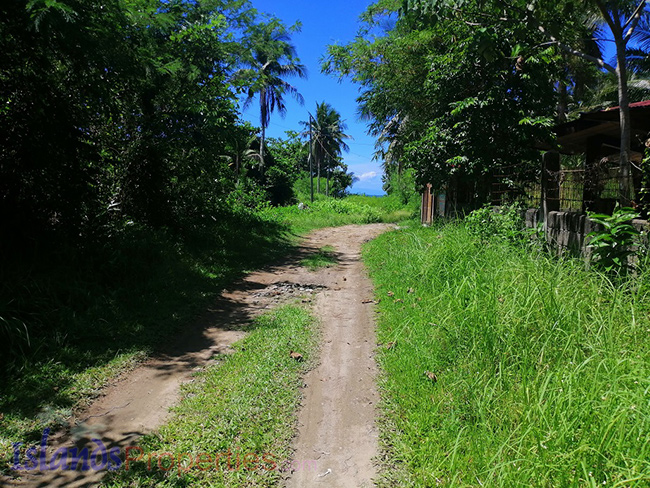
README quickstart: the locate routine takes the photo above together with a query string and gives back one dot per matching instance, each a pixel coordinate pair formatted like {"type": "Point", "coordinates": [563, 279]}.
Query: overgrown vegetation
{"type": "Point", "coordinates": [122, 147]}
{"type": "Point", "coordinates": [505, 223]}
{"type": "Point", "coordinates": [482, 83]}
{"type": "Point", "coordinates": [613, 244]}
{"type": "Point", "coordinates": [88, 323]}
{"type": "Point", "coordinates": [240, 407]}
{"type": "Point", "coordinates": [503, 367]}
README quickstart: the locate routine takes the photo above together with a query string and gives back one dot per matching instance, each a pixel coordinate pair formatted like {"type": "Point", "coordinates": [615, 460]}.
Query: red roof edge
{"type": "Point", "coordinates": [644, 103]}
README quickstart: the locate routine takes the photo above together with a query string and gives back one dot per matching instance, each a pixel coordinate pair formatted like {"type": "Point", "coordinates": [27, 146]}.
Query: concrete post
{"type": "Point", "coordinates": [550, 185]}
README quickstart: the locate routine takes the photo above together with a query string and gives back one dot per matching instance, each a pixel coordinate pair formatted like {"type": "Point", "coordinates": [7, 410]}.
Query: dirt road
{"type": "Point", "coordinates": [336, 423]}
{"type": "Point", "coordinates": [337, 419]}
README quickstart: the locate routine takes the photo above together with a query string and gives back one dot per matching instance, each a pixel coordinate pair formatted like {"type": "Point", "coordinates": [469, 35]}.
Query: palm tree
{"type": "Point", "coordinates": [241, 151]}
{"type": "Point", "coordinates": [270, 57]}
{"type": "Point", "coordinates": [328, 139]}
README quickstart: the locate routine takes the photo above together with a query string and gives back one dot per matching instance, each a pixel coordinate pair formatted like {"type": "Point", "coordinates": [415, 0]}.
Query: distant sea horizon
{"type": "Point", "coordinates": [368, 194]}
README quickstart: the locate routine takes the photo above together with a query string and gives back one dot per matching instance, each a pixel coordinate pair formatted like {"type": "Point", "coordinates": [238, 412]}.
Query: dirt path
{"type": "Point", "coordinates": [336, 424]}
{"type": "Point", "coordinates": [337, 419]}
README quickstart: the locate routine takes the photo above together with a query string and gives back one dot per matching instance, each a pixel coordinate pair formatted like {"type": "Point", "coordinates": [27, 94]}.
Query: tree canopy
{"type": "Point", "coordinates": [459, 88]}
{"type": "Point", "coordinates": [128, 110]}
{"type": "Point", "coordinates": [564, 25]}
{"type": "Point", "coordinates": [269, 58]}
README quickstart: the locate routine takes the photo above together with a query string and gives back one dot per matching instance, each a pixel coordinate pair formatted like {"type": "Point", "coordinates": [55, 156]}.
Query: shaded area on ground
{"type": "Point", "coordinates": [139, 402]}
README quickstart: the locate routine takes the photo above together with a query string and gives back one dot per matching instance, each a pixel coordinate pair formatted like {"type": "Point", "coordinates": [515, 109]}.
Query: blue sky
{"type": "Point", "coordinates": [324, 23]}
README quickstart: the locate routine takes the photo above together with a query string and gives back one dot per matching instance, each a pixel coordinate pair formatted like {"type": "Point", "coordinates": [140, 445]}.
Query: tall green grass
{"type": "Point", "coordinates": [508, 368]}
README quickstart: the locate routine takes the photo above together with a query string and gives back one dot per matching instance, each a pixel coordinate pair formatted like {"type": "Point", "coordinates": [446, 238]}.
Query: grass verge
{"type": "Point", "coordinates": [239, 411]}
{"type": "Point", "coordinates": [506, 368]}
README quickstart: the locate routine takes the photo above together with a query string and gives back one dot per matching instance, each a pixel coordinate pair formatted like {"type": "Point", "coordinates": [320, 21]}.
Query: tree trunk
{"type": "Point", "coordinates": [625, 197]}
{"type": "Point", "coordinates": [262, 148]}
{"type": "Point", "coordinates": [264, 120]}
{"type": "Point", "coordinates": [311, 159]}
{"type": "Point", "coordinates": [327, 183]}
{"type": "Point", "coordinates": [327, 176]}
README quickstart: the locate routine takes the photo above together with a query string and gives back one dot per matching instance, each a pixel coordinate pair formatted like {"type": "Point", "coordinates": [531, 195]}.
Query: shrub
{"type": "Point", "coordinates": [613, 243]}
{"type": "Point", "coordinates": [504, 223]}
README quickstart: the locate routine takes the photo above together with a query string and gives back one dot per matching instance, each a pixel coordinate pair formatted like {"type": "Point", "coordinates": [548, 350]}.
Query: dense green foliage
{"type": "Point", "coordinates": [505, 223]}
{"type": "Point", "coordinates": [465, 100]}
{"type": "Point", "coordinates": [505, 368]}
{"type": "Point", "coordinates": [575, 29]}
{"type": "Point", "coordinates": [613, 243]}
{"type": "Point", "coordinates": [481, 82]}
{"type": "Point", "coordinates": [120, 142]}
{"type": "Point", "coordinates": [113, 111]}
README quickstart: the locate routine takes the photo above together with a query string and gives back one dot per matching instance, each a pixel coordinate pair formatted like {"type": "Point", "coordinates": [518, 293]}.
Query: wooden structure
{"type": "Point", "coordinates": [597, 136]}
{"type": "Point", "coordinates": [427, 207]}
{"type": "Point", "coordinates": [433, 205]}
{"type": "Point", "coordinates": [599, 132]}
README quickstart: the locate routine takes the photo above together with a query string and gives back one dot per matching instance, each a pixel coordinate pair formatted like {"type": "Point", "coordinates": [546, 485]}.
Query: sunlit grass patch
{"type": "Point", "coordinates": [505, 368]}
{"type": "Point", "coordinates": [323, 258]}
{"type": "Point", "coordinates": [332, 212]}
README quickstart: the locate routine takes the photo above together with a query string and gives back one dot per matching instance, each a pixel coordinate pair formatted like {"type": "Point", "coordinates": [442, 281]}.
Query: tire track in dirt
{"type": "Point", "coordinates": [337, 436]}
{"type": "Point", "coordinates": [337, 412]}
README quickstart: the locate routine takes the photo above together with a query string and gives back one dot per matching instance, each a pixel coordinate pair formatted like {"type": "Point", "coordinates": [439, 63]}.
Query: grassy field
{"type": "Point", "coordinates": [330, 212]}
{"type": "Point", "coordinates": [506, 367]}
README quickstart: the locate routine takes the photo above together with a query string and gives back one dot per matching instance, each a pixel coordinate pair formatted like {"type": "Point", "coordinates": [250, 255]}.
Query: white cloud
{"type": "Point", "coordinates": [368, 176]}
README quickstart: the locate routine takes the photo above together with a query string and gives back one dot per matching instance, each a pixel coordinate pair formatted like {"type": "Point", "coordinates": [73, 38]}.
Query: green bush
{"type": "Point", "coordinates": [402, 187]}
{"type": "Point", "coordinates": [612, 244]}
{"type": "Point", "coordinates": [505, 223]}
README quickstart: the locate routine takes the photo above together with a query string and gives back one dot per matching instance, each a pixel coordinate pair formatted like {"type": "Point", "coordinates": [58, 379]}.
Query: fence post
{"type": "Point", "coordinates": [590, 191]}
{"type": "Point", "coordinates": [550, 184]}
{"type": "Point", "coordinates": [427, 209]}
